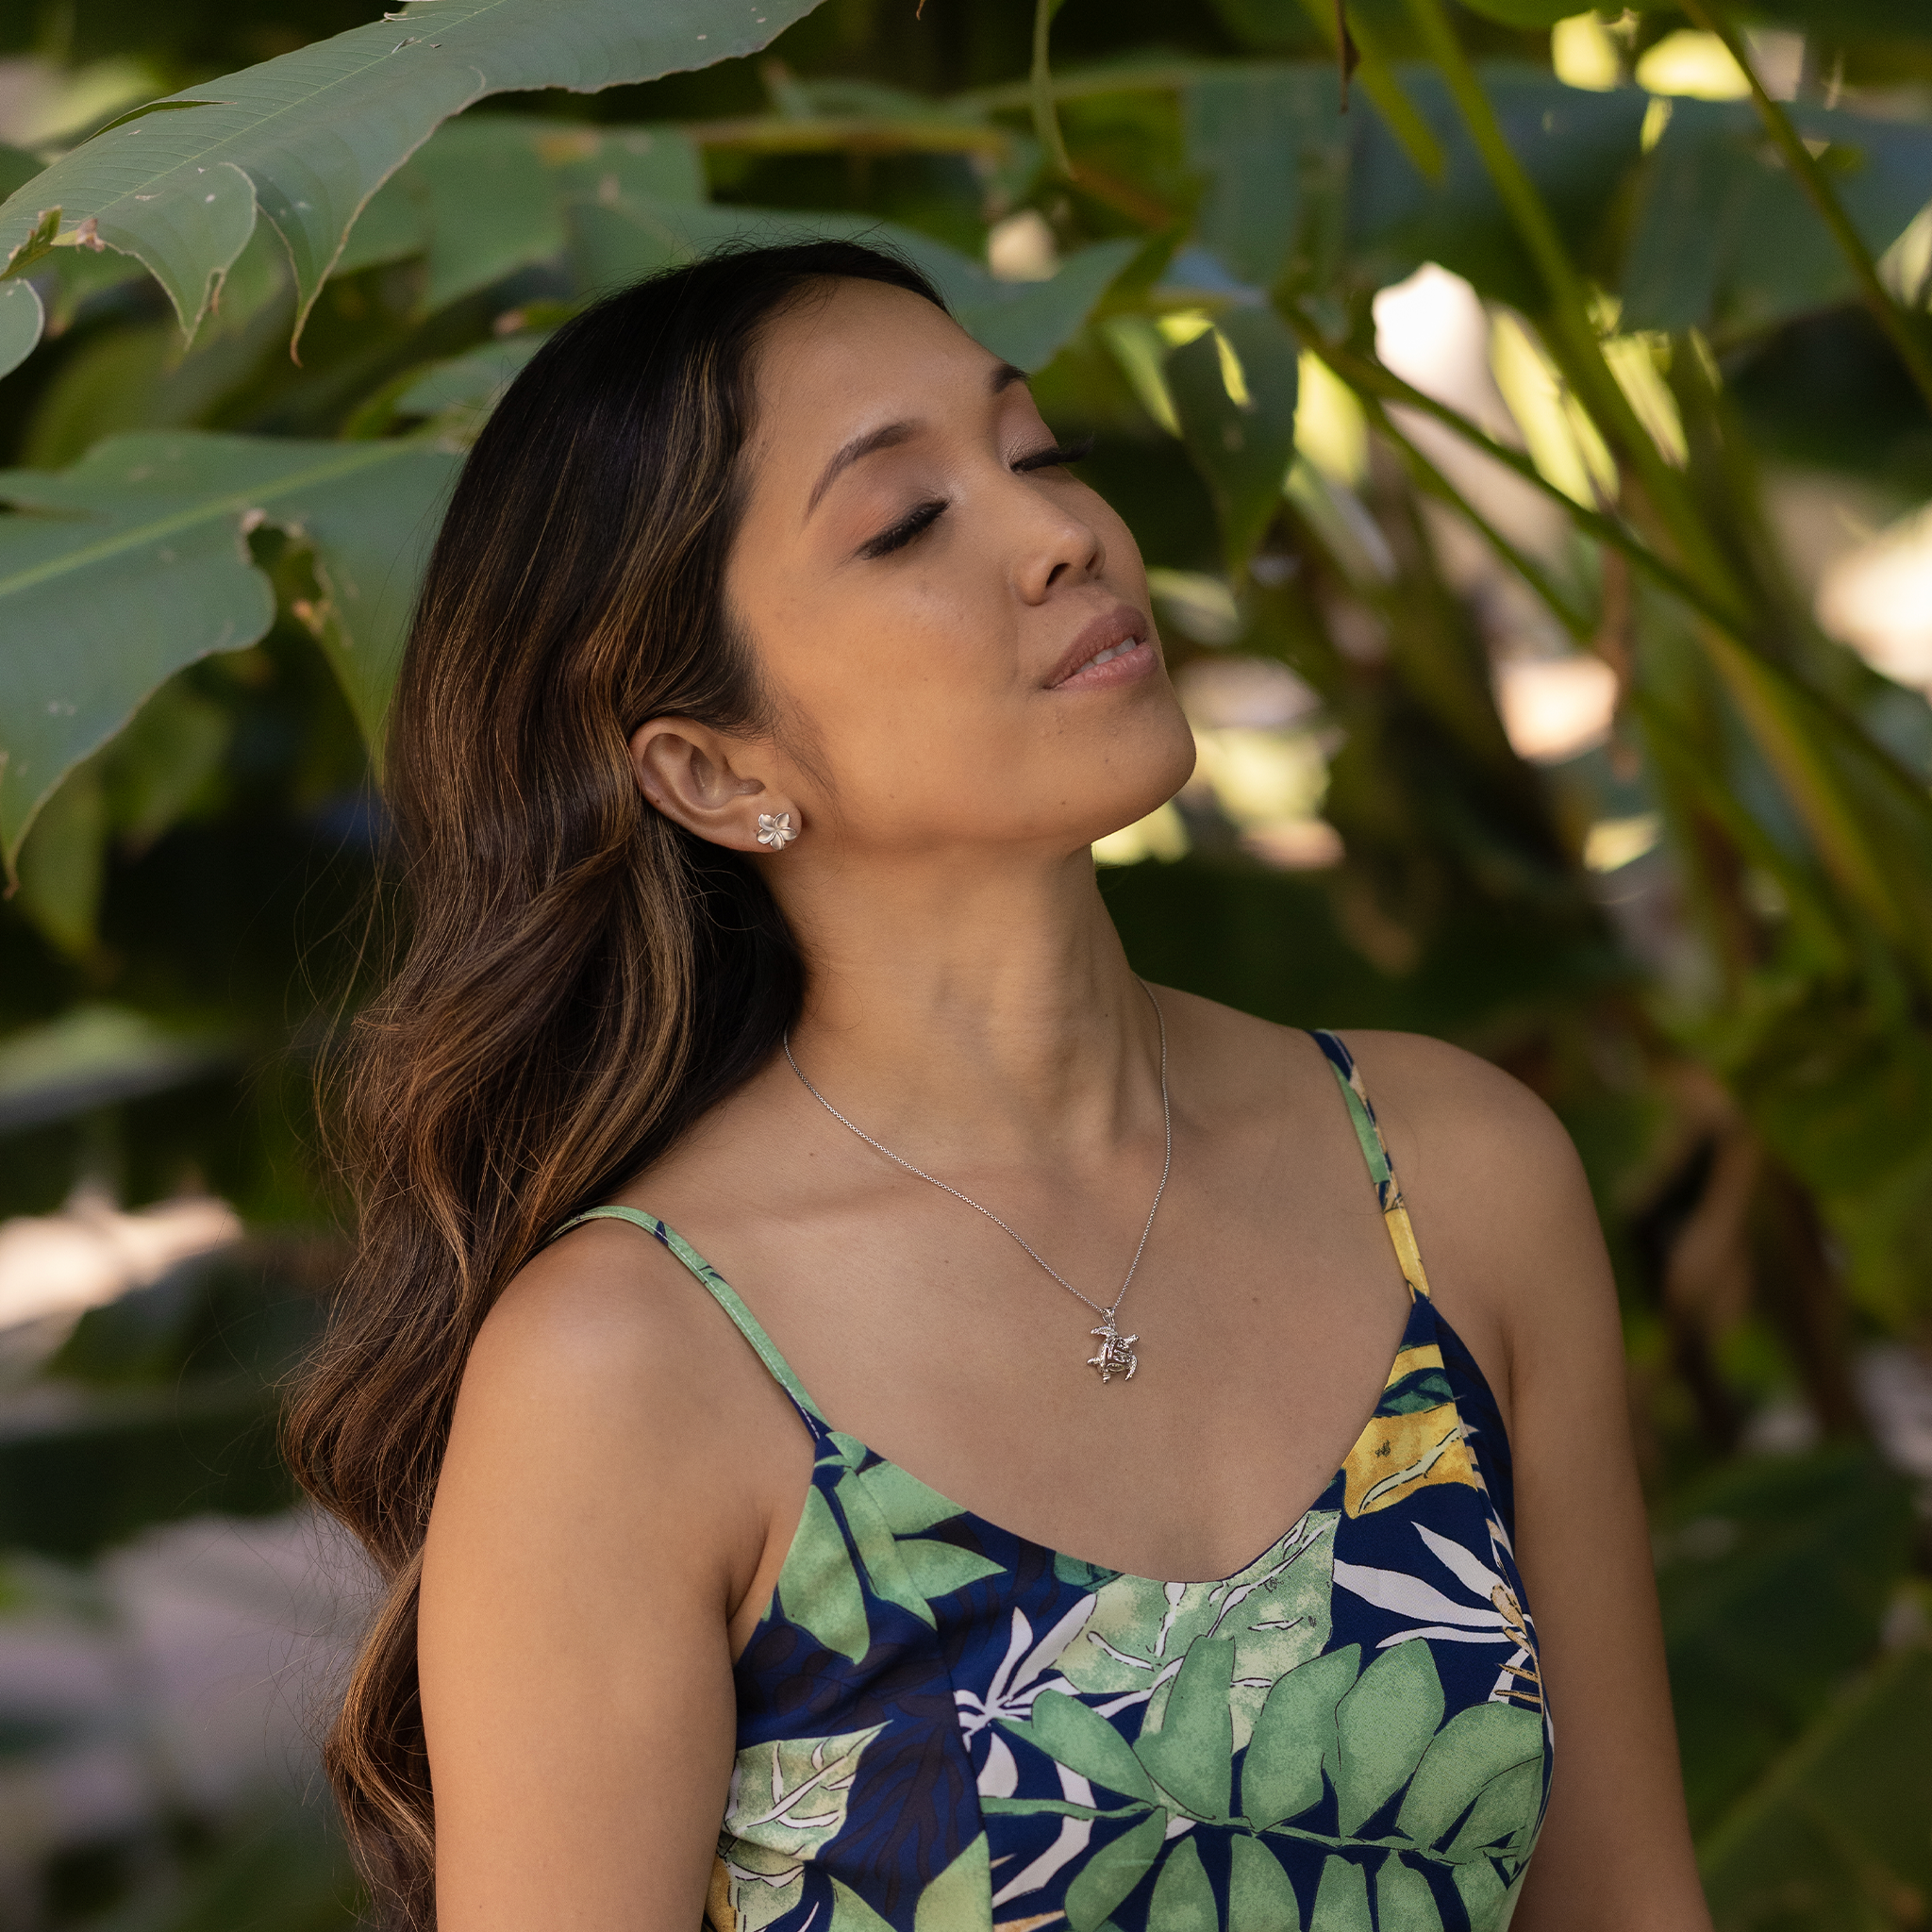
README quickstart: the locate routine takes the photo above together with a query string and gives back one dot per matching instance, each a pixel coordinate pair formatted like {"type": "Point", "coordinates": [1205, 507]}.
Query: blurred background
{"type": "Point", "coordinates": [1537, 492]}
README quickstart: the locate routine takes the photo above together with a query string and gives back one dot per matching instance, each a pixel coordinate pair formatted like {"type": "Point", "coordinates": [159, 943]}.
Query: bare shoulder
{"type": "Point", "coordinates": [608, 1402]}
{"type": "Point", "coordinates": [1501, 1207]}
{"type": "Point", "coordinates": [1445, 1103]}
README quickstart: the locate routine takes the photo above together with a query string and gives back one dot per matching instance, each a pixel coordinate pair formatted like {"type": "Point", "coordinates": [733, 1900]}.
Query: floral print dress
{"type": "Point", "coordinates": [944, 1727]}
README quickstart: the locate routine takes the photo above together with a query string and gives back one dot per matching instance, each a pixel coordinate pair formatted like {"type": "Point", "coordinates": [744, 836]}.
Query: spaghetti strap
{"type": "Point", "coordinates": [721, 1292]}
{"type": "Point", "coordinates": [1375, 1152]}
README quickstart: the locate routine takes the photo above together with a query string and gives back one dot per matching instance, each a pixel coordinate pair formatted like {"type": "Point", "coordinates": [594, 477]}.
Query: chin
{"type": "Point", "coordinates": [1160, 775]}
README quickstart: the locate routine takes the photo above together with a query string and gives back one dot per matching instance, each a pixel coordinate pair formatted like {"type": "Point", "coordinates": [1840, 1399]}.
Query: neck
{"type": "Point", "coordinates": [985, 1013]}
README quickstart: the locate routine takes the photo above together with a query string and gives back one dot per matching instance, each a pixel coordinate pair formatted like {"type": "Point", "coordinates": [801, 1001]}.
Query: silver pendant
{"type": "Point", "coordinates": [1116, 1357]}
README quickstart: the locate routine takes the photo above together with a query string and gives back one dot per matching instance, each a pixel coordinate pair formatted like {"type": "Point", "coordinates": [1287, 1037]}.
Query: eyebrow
{"type": "Point", "coordinates": [1001, 376]}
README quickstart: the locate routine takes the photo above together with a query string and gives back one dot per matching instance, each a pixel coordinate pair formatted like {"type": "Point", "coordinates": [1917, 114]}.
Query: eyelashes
{"type": "Point", "coordinates": [922, 517]}
{"type": "Point", "coordinates": [1056, 454]}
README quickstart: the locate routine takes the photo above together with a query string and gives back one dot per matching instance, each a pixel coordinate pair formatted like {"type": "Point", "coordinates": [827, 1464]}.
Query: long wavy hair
{"type": "Point", "coordinates": [579, 979]}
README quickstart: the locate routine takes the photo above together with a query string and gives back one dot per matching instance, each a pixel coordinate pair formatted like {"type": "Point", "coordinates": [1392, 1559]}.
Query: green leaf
{"type": "Point", "coordinates": [1281, 1775]}
{"type": "Point", "coordinates": [960, 1898]}
{"type": "Point", "coordinates": [1083, 1740]}
{"type": "Point", "coordinates": [790, 1795]}
{"type": "Point", "coordinates": [1524, 14]}
{"type": "Point", "coordinates": [819, 1587]}
{"type": "Point", "coordinates": [1475, 1746]}
{"type": "Point", "coordinates": [1341, 1899]}
{"type": "Point", "coordinates": [850, 1913]}
{"type": "Point", "coordinates": [1026, 323]}
{"type": "Point", "coordinates": [1260, 1895]}
{"type": "Point", "coordinates": [63, 864]}
{"type": "Point", "coordinates": [314, 134]}
{"type": "Point", "coordinates": [139, 566]}
{"type": "Point", "coordinates": [940, 1569]}
{"type": "Point", "coordinates": [1278, 1612]}
{"type": "Point", "coordinates": [491, 204]}
{"type": "Point", "coordinates": [94, 1057]}
{"type": "Point", "coordinates": [1773, 1576]}
{"type": "Point", "coordinates": [1081, 1573]}
{"type": "Point", "coordinates": [1834, 1836]}
{"type": "Point", "coordinates": [20, 320]}
{"type": "Point", "coordinates": [906, 1503]}
{"type": "Point", "coordinates": [470, 383]}
{"type": "Point", "coordinates": [1191, 1753]}
{"type": "Point", "coordinates": [1183, 1897]}
{"type": "Point", "coordinates": [885, 1567]}
{"type": "Point", "coordinates": [158, 765]}
{"type": "Point", "coordinates": [1383, 1725]}
{"type": "Point", "coordinates": [1505, 1814]}
{"type": "Point", "coordinates": [1404, 1902]}
{"type": "Point", "coordinates": [394, 227]}
{"type": "Point", "coordinates": [1576, 146]}
{"type": "Point", "coordinates": [1238, 420]}
{"type": "Point", "coordinates": [1276, 158]}
{"type": "Point", "coordinates": [1483, 1894]}
{"type": "Point", "coordinates": [1722, 239]}
{"type": "Point", "coordinates": [1113, 1871]}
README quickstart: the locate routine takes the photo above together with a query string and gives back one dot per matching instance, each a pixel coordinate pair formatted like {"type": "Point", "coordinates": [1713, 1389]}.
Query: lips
{"type": "Point", "coordinates": [1113, 636]}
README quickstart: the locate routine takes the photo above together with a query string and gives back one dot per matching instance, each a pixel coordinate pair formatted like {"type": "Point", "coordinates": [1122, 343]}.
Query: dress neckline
{"type": "Point", "coordinates": [1426, 1324]}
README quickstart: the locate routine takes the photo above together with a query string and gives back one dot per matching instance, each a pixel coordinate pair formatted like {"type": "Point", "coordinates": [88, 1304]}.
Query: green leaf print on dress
{"type": "Point", "coordinates": [788, 1800]}
{"type": "Point", "coordinates": [1275, 1612]}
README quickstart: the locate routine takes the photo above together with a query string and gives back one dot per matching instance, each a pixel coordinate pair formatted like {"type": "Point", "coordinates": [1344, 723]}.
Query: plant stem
{"type": "Point", "coordinates": [1573, 340]}
{"type": "Point", "coordinates": [1817, 186]}
{"type": "Point", "coordinates": [1429, 478]}
{"type": "Point", "coordinates": [1370, 379]}
{"type": "Point", "coordinates": [1046, 118]}
{"type": "Point", "coordinates": [1377, 79]}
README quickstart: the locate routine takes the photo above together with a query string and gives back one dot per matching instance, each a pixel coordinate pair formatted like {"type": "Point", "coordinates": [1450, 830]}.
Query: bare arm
{"type": "Point", "coordinates": [1508, 1232]}
{"type": "Point", "coordinates": [596, 1525]}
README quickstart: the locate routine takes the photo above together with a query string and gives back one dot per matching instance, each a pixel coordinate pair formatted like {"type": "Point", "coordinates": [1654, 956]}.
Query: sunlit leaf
{"type": "Point", "coordinates": [1234, 390]}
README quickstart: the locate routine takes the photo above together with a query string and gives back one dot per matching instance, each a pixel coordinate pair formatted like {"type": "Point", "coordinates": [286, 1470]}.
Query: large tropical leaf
{"type": "Point", "coordinates": [116, 573]}
{"type": "Point", "coordinates": [1773, 1576]}
{"type": "Point", "coordinates": [1834, 1837]}
{"type": "Point", "coordinates": [309, 137]}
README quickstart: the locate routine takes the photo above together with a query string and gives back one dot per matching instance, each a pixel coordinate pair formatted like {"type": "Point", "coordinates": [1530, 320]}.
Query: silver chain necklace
{"type": "Point", "coordinates": [1116, 1357]}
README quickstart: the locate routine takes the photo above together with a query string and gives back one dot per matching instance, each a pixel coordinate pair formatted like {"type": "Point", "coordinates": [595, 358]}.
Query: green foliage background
{"type": "Point", "coordinates": [207, 549]}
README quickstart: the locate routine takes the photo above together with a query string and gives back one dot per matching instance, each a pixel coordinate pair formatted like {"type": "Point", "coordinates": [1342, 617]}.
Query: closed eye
{"type": "Point", "coordinates": [1056, 454]}
{"type": "Point", "coordinates": [920, 518]}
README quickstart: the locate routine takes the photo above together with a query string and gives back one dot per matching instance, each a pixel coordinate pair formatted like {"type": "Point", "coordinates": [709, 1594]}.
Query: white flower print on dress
{"type": "Point", "coordinates": [1500, 1618]}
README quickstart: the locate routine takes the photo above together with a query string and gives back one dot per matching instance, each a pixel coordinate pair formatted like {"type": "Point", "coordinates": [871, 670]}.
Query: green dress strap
{"type": "Point", "coordinates": [1368, 1132]}
{"type": "Point", "coordinates": [720, 1290]}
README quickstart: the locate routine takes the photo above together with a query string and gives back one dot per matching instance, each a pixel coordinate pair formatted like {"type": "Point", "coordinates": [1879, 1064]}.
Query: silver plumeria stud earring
{"type": "Point", "coordinates": [776, 832]}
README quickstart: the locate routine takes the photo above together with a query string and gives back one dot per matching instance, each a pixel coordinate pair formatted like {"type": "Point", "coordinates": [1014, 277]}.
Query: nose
{"type": "Point", "coordinates": [1056, 544]}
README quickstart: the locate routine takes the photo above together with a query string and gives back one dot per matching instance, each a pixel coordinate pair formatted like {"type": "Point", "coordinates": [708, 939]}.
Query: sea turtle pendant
{"type": "Point", "coordinates": [1116, 1357]}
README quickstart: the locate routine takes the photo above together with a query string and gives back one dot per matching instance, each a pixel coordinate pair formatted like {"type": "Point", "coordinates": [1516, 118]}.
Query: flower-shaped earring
{"type": "Point", "coordinates": [776, 832]}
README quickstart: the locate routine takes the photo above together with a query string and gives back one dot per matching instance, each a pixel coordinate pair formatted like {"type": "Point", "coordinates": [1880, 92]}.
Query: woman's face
{"type": "Point", "coordinates": [927, 591]}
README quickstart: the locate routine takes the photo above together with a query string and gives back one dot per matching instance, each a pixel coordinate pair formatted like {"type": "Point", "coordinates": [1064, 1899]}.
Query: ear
{"type": "Point", "coordinates": [706, 782]}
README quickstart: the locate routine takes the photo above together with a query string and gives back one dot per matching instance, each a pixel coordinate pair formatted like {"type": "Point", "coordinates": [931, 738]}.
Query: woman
{"type": "Point", "coordinates": [773, 677]}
